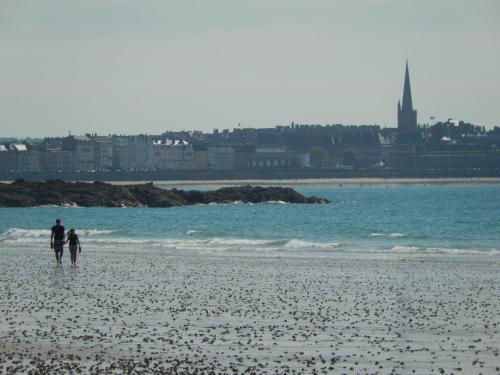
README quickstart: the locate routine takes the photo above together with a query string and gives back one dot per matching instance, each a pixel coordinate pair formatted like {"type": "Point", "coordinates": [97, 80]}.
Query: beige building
{"type": "Point", "coordinates": [177, 155]}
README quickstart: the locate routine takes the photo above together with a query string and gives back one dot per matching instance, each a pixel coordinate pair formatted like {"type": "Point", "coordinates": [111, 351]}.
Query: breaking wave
{"type": "Point", "coordinates": [104, 237]}
{"type": "Point", "coordinates": [298, 244]}
{"type": "Point", "coordinates": [21, 233]}
{"type": "Point", "coordinates": [99, 239]}
{"type": "Point", "coordinates": [239, 203]}
{"type": "Point", "coordinates": [443, 250]}
{"type": "Point", "coordinates": [391, 235]}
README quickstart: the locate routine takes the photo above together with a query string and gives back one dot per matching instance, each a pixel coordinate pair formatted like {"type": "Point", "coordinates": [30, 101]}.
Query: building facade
{"type": "Point", "coordinates": [103, 153]}
{"type": "Point", "coordinates": [176, 155]}
{"type": "Point", "coordinates": [221, 157]}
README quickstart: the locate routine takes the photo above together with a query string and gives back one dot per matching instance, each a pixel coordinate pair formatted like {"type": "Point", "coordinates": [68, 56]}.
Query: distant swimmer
{"type": "Point", "coordinates": [74, 245]}
{"type": "Point", "coordinates": [57, 240]}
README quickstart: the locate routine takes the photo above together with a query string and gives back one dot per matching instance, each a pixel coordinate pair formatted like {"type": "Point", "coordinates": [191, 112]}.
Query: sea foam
{"type": "Point", "coordinates": [36, 233]}
{"type": "Point", "coordinates": [98, 239]}
{"type": "Point", "coordinates": [391, 235]}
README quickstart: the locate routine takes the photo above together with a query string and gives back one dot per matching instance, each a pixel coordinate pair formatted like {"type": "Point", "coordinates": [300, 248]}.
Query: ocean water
{"type": "Point", "coordinates": [370, 221]}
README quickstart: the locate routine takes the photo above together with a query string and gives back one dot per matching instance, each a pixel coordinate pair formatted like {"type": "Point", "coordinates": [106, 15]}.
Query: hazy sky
{"type": "Point", "coordinates": [118, 66]}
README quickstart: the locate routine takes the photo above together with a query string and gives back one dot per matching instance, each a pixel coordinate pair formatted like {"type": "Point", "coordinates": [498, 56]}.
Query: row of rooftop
{"type": "Point", "coordinates": [282, 147]}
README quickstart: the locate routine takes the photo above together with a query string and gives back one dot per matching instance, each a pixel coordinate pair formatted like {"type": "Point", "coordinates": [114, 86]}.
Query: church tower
{"type": "Point", "coordinates": [407, 116]}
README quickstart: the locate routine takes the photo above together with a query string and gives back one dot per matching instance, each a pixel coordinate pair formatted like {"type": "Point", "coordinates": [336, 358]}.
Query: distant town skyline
{"type": "Point", "coordinates": [145, 67]}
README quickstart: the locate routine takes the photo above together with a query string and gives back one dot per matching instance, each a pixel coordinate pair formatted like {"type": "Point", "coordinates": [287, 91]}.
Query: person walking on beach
{"type": "Point", "coordinates": [74, 244]}
{"type": "Point", "coordinates": [57, 240]}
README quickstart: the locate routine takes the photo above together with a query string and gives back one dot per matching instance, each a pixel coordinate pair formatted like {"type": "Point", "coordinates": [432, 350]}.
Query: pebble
{"type": "Point", "coordinates": [127, 313]}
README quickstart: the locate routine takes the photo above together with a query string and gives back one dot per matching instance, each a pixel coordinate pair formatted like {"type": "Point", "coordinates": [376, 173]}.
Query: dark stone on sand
{"type": "Point", "coordinates": [23, 193]}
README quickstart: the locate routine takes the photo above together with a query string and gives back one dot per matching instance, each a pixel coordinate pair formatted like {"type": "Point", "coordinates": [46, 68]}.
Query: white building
{"type": "Point", "coordinates": [25, 160]}
{"type": "Point", "coordinates": [120, 152]}
{"type": "Point", "coordinates": [168, 154]}
{"type": "Point", "coordinates": [103, 153]}
{"type": "Point", "coordinates": [133, 152]}
{"type": "Point", "coordinates": [84, 154]}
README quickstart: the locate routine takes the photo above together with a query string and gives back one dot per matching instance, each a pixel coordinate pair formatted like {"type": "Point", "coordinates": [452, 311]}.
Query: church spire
{"type": "Point", "coordinates": [407, 116]}
{"type": "Point", "coordinates": [407, 103]}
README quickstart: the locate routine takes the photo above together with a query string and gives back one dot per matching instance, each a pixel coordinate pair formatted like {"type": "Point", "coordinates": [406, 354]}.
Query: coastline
{"type": "Point", "coordinates": [320, 181]}
{"type": "Point", "coordinates": [307, 181]}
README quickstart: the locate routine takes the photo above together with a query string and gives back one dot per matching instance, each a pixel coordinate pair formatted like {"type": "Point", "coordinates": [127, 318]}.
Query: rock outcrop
{"type": "Point", "coordinates": [99, 194]}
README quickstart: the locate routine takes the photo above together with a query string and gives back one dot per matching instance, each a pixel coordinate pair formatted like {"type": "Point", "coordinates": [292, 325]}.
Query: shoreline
{"type": "Point", "coordinates": [303, 181]}
{"type": "Point", "coordinates": [320, 181]}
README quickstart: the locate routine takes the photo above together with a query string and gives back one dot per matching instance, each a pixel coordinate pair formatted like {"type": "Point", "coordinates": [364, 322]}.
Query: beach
{"type": "Point", "coordinates": [311, 181]}
{"type": "Point", "coordinates": [127, 311]}
{"type": "Point", "coordinates": [329, 181]}
{"type": "Point", "coordinates": [398, 279]}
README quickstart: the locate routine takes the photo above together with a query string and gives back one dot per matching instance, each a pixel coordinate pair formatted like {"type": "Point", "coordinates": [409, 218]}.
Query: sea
{"type": "Point", "coordinates": [376, 221]}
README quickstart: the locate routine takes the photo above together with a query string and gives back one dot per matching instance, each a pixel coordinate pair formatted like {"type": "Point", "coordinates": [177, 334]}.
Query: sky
{"type": "Point", "coordinates": [130, 67]}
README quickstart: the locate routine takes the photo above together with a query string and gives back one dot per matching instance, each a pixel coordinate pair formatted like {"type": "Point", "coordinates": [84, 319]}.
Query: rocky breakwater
{"type": "Point", "coordinates": [99, 194]}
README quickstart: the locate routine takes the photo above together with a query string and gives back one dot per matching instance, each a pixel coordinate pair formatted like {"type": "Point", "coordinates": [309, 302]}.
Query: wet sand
{"type": "Point", "coordinates": [131, 313]}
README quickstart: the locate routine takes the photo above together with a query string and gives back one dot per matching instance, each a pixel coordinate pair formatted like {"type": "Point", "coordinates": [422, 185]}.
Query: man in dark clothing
{"type": "Point", "coordinates": [57, 240]}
